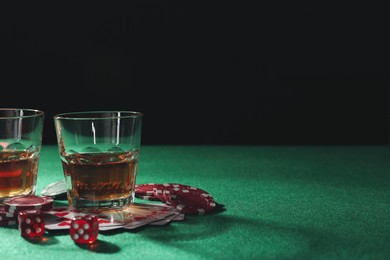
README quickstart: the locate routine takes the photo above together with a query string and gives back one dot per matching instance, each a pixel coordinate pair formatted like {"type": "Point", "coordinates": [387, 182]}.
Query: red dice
{"type": "Point", "coordinates": [31, 223]}
{"type": "Point", "coordinates": [84, 229]}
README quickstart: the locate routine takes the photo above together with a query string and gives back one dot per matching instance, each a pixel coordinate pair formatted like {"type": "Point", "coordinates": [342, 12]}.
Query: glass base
{"type": "Point", "coordinates": [84, 205]}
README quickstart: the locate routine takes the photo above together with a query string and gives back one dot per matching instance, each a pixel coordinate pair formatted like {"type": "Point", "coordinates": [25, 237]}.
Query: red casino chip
{"type": "Point", "coordinates": [165, 192]}
{"type": "Point", "coordinates": [165, 196]}
{"type": "Point", "coordinates": [4, 223]}
{"type": "Point", "coordinates": [4, 215]}
{"type": "Point", "coordinates": [146, 191]}
{"type": "Point", "coordinates": [146, 197]}
{"type": "Point", "coordinates": [188, 199]}
{"type": "Point", "coordinates": [195, 205]}
{"type": "Point", "coordinates": [168, 189]}
{"type": "Point", "coordinates": [171, 186]}
{"type": "Point", "coordinates": [16, 204]}
{"type": "Point", "coordinates": [194, 201]}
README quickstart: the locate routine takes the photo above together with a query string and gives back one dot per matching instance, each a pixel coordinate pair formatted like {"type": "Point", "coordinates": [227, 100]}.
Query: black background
{"type": "Point", "coordinates": [204, 73]}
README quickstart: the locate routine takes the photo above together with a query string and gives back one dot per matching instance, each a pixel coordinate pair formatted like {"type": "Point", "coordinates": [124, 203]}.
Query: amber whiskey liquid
{"type": "Point", "coordinates": [18, 173]}
{"type": "Point", "coordinates": [100, 180]}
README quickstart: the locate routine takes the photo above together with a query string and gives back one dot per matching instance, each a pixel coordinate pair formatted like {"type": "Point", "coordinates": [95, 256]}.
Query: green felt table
{"type": "Point", "coordinates": [280, 202]}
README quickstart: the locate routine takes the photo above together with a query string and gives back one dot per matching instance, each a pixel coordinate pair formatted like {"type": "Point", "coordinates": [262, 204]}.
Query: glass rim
{"type": "Point", "coordinates": [92, 115]}
{"type": "Point", "coordinates": [32, 113]}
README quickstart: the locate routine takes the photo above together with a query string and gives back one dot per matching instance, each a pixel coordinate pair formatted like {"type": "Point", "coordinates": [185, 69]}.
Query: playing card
{"type": "Point", "coordinates": [142, 214]}
{"type": "Point", "coordinates": [174, 217]}
{"type": "Point", "coordinates": [131, 217]}
{"type": "Point", "coordinates": [60, 218]}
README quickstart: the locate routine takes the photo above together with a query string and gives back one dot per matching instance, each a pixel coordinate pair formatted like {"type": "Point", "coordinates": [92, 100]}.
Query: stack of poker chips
{"type": "Point", "coordinates": [7, 218]}
{"type": "Point", "coordinates": [12, 206]}
{"type": "Point", "coordinates": [185, 198]}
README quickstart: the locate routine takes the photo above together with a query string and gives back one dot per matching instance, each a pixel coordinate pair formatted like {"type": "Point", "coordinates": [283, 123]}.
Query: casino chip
{"type": "Point", "coordinates": [192, 200]}
{"type": "Point", "coordinates": [146, 191]}
{"type": "Point", "coordinates": [5, 215]}
{"type": "Point", "coordinates": [18, 203]}
{"type": "Point", "coordinates": [186, 198]}
{"type": "Point", "coordinates": [7, 218]}
{"type": "Point", "coordinates": [4, 223]}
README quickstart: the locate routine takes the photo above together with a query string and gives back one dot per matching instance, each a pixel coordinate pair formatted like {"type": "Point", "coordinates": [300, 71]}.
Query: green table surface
{"type": "Point", "coordinates": [280, 202]}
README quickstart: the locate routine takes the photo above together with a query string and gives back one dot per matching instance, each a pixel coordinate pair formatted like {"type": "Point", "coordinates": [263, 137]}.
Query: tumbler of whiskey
{"type": "Point", "coordinates": [20, 147]}
{"type": "Point", "coordinates": [99, 152]}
